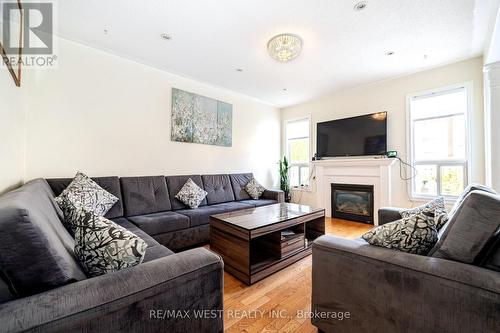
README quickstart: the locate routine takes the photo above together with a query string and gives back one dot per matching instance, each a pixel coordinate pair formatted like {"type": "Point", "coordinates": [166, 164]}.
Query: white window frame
{"type": "Point", "coordinates": [439, 163]}
{"type": "Point", "coordinates": [287, 152]}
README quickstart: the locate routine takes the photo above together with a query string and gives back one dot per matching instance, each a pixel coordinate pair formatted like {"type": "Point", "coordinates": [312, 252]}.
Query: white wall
{"type": "Point", "coordinates": [106, 115]}
{"type": "Point", "coordinates": [12, 122]}
{"type": "Point", "coordinates": [492, 49]}
{"type": "Point", "coordinates": [390, 96]}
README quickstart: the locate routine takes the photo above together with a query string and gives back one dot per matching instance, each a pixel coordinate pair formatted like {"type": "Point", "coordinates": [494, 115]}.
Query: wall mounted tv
{"type": "Point", "coordinates": [357, 136]}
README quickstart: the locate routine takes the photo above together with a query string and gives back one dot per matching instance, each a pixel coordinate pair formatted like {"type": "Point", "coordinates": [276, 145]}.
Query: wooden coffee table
{"type": "Point", "coordinates": [257, 242]}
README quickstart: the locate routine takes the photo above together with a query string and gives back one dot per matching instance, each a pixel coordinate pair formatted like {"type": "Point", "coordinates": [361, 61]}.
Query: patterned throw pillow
{"type": "Point", "coordinates": [102, 246]}
{"type": "Point", "coordinates": [69, 204]}
{"type": "Point", "coordinates": [254, 189]}
{"type": "Point", "coordinates": [88, 195]}
{"type": "Point", "coordinates": [435, 208]}
{"type": "Point", "coordinates": [413, 234]}
{"type": "Point", "coordinates": [191, 194]}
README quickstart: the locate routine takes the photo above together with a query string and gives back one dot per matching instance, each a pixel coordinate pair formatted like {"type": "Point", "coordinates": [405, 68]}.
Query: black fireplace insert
{"type": "Point", "coordinates": [352, 202]}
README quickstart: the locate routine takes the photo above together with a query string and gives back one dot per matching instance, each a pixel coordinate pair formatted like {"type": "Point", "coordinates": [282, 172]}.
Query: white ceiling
{"type": "Point", "coordinates": [342, 47]}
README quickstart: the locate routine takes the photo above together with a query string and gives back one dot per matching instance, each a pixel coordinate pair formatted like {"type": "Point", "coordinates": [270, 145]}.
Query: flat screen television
{"type": "Point", "coordinates": [357, 136]}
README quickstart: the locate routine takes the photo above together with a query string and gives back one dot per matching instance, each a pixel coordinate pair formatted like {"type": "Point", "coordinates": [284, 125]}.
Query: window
{"type": "Point", "coordinates": [298, 150]}
{"type": "Point", "coordinates": [439, 141]}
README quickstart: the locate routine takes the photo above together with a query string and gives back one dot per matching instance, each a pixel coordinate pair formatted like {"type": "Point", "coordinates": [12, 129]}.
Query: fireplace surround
{"type": "Point", "coordinates": [352, 202]}
{"type": "Point", "coordinates": [366, 171]}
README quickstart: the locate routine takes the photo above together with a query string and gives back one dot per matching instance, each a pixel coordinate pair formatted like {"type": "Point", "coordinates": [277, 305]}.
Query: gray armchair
{"type": "Point", "coordinates": [357, 287]}
{"type": "Point", "coordinates": [388, 291]}
{"type": "Point", "coordinates": [388, 214]}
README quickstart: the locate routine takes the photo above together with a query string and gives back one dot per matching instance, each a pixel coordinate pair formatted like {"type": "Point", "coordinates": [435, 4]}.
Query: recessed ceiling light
{"type": "Point", "coordinates": [284, 47]}
{"type": "Point", "coordinates": [360, 5]}
{"type": "Point", "coordinates": [166, 36]}
{"type": "Point", "coordinates": [239, 69]}
{"type": "Point", "coordinates": [389, 53]}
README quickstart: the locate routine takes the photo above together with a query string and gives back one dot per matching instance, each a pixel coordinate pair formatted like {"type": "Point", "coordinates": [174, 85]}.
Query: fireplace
{"type": "Point", "coordinates": [353, 202]}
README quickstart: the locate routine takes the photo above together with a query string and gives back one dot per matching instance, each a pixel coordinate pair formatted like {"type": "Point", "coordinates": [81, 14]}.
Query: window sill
{"type": "Point", "coordinates": [448, 200]}
{"type": "Point", "coordinates": [302, 189]}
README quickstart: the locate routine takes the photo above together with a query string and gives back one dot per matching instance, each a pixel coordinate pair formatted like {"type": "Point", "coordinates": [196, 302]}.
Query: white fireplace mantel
{"type": "Point", "coordinates": [362, 171]}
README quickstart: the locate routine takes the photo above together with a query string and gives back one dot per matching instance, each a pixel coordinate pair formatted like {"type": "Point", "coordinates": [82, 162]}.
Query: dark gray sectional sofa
{"type": "Point", "coordinates": [42, 288]}
{"type": "Point", "coordinates": [149, 203]}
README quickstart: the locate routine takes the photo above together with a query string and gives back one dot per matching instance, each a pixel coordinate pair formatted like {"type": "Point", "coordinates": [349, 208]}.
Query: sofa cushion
{"type": "Point", "coordinates": [185, 238]}
{"type": "Point", "coordinates": [232, 206]}
{"type": "Point", "coordinates": [239, 180]}
{"type": "Point", "coordinates": [145, 195]}
{"type": "Point", "coordinates": [156, 252]}
{"type": "Point", "coordinates": [110, 184]}
{"type": "Point", "coordinates": [459, 201]}
{"type": "Point", "coordinates": [260, 202]}
{"type": "Point", "coordinates": [201, 215]}
{"type": "Point", "coordinates": [36, 251]}
{"type": "Point", "coordinates": [158, 223]}
{"type": "Point", "coordinates": [470, 228]}
{"type": "Point", "coordinates": [175, 183]}
{"type": "Point", "coordinates": [5, 293]}
{"type": "Point", "coordinates": [469, 189]}
{"type": "Point", "coordinates": [155, 249]}
{"type": "Point", "coordinates": [125, 223]}
{"type": "Point", "coordinates": [218, 187]}
{"type": "Point", "coordinates": [491, 254]}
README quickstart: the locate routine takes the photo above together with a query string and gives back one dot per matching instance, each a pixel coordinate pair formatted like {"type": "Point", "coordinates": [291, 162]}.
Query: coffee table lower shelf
{"type": "Point", "coordinates": [248, 258]}
{"type": "Point", "coordinates": [262, 270]}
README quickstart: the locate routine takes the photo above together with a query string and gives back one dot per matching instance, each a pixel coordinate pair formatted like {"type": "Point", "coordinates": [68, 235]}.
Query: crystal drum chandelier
{"type": "Point", "coordinates": [284, 47]}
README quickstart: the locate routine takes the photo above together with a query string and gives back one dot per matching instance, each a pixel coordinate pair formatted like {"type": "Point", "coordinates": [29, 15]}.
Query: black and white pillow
{"type": "Point", "coordinates": [69, 204]}
{"type": "Point", "coordinates": [254, 189]}
{"type": "Point", "coordinates": [435, 208]}
{"type": "Point", "coordinates": [88, 194]}
{"type": "Point", "coordinates": [191, 194]}
{"type": "Point", "coordinates": [102, 246]}
{"type": "Point", "coordinates": [413, 234]}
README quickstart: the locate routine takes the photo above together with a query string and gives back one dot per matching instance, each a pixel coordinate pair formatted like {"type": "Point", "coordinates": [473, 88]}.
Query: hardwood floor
{"type": "Point", "coordinates": [271, 305]}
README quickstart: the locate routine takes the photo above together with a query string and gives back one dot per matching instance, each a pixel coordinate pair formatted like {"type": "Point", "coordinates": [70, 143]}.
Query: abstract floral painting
{"type": "Point", "coordinates": [199, 119]}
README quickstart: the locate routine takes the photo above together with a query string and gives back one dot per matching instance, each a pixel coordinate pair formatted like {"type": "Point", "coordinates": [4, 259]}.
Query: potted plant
{"type": "Point", "coordinates": [284, 168]}
{"type": "Point", "coordinates": [424, 188]}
